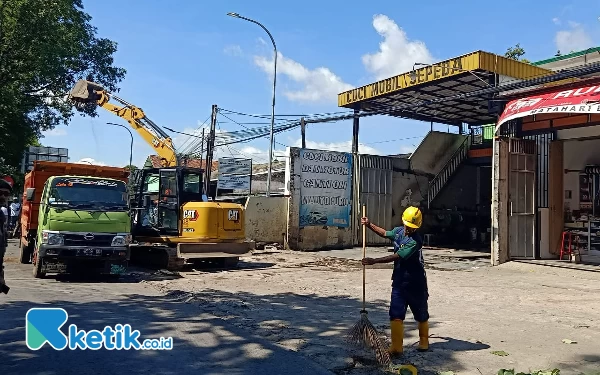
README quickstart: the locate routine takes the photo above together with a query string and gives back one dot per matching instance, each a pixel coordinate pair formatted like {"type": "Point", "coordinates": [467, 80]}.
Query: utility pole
{"type": "Point", "coordinates": [303, 132]}
{"type": "Point", "coordinates": [210, 147]}
{"type": "Point", "coordinates": [202, 147]}
{"type": "Point", "coordinates": [355, 127]}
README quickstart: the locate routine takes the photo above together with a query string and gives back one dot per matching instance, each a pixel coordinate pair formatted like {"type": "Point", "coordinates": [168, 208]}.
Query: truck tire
{"type": "Point", "coordinates": [24, 254]}
{"type": "Point", "coordinates": [37, 269]}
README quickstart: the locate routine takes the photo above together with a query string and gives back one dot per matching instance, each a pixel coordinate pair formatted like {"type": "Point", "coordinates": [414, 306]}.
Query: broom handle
{"type": "Point", "coordinates": [364, 245]}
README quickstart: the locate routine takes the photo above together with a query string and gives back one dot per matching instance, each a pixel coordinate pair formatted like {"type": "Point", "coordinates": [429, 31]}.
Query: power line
{"type": "Point", "coordinates": [243, 126]}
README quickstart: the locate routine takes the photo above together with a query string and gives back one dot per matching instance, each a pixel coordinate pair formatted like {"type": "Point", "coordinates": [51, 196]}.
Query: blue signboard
{"type": "Point", "coordinates": [325, 188]}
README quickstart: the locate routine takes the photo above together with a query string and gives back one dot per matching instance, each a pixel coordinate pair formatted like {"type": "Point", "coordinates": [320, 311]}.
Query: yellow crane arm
{"type": "Point", "coordinates": [85, 92]}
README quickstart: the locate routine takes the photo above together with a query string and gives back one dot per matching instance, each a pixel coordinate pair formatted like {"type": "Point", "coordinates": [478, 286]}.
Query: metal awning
{"type": "Point", "coordinates": [564, 106]}
{"type": "Point", "coordinates": [463, 74]}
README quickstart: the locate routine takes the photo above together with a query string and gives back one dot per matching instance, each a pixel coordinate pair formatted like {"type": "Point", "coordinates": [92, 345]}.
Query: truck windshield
{"type": "Point", "coordinates": [88, 193]}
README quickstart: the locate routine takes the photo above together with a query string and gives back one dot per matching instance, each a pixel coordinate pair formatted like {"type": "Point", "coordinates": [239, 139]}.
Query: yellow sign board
{"type": "Point", "coordinates": [444, 69]}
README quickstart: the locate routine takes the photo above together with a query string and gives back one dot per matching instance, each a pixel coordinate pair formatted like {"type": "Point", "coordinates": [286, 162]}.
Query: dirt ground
{"type": "Point", "coordinates": [482, 318]}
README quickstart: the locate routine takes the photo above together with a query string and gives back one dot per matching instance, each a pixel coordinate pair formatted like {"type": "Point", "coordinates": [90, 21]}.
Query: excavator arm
{"type": "Point", "coordinates": [85, 92]}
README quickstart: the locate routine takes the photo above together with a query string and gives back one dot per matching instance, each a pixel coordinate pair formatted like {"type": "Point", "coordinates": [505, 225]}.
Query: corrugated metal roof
{"type": "Point", "coordinates": [565, 57]}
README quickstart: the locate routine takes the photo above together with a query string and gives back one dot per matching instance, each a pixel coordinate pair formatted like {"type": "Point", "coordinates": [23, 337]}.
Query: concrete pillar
{"type": "Point", "coordinates": [500, 185]}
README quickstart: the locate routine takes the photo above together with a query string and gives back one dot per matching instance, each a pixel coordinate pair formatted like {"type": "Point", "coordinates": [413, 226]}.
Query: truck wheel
{"type": "Point", "coordinates": [37, 269]}
{"type": "Point", "coordinates": [25, 253]}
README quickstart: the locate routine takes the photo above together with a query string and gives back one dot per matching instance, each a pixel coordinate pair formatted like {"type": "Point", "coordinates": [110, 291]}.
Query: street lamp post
{"type": "Point", "coordinates": [130, 134]}
{"type": "Point", "coordinates": [235, 15]}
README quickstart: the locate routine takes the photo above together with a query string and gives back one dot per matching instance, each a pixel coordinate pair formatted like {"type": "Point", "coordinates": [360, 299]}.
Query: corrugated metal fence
{"type": "Point", "coordinates": [373, 187]}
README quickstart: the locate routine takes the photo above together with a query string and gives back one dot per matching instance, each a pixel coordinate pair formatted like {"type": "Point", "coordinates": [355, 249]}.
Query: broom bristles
{"type": "Point", "coordinates": [363, 333]}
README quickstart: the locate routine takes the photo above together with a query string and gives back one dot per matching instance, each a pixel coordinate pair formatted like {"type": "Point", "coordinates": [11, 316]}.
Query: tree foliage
{"type": "Point", "coordinates": [516, 53]}
{"type": "Point", "coordinates": [45, 47]}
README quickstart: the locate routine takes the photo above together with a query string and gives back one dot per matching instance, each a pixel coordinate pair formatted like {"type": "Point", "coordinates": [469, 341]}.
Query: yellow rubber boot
{"type": "Point", "coordinates": [423, 337]}
{"type": "Point", "coordinates": [397, 346]}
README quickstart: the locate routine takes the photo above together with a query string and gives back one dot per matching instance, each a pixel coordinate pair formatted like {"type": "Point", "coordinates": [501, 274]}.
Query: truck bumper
{"type": "Point", "coordinates": [214, 249]}
{"type": "Point", "coordinates": [68, 259]}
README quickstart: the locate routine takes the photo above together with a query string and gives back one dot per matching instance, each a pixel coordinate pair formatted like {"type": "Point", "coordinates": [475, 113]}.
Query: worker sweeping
{"type": "Point", "coordinates": [409, 281]}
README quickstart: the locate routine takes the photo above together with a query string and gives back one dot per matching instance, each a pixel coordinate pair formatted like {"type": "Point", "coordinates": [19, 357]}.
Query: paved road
{"type": "Point", "coordinates": [202, 344]}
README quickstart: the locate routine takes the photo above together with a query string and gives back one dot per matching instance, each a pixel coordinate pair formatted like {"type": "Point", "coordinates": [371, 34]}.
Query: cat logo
{"type": "Point", "coordinates": [190, 215]}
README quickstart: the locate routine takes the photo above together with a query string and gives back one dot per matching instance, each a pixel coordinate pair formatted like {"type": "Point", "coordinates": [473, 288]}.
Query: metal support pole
{"type": "Point", "coordinates": [210, 146]}
{"type": "Point", "coordinates": [303, 132]}
{"type": "Point", "coordinates": [355, 132]}
{"type": "Point", "coordinates": [202, 149]}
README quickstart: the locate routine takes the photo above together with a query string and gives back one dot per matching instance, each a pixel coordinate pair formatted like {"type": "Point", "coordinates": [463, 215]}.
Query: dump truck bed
{"type": "Point", "coordinates": [42, 170]}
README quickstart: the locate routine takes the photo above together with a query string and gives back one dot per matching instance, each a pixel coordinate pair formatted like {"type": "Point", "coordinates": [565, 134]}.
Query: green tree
{"type": "Point", "coordinates": [516, 53]}
{"type": "Point", "coordinates": [45, 47]}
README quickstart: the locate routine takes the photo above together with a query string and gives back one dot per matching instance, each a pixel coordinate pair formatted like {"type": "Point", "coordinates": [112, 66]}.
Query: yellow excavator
{"type": "Point", "coordinates": [172, 220]}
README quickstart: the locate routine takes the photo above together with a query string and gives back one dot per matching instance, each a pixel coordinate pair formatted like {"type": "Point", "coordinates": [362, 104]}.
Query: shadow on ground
{"type": "Point", "coordinates": [316, 327]}
{"type": "Point", "coordinates": [215, 332]}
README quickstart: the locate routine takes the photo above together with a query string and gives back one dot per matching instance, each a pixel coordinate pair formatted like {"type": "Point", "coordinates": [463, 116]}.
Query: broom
{"type": "Point", "coordinates": [363, 332]}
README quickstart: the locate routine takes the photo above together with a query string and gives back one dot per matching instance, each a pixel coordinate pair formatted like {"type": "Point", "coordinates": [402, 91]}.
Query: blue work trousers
{"type": "Point", "coordinates": [415, 298]}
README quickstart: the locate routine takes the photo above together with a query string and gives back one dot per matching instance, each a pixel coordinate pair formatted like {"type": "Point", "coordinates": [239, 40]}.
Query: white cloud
{"type": "Point", "coordinates": [233, 50]}
{"type": "Point", "coordinates": [313, 85]}
{"type": "Point", "coordinates": [262, 41]}
{"type": "Point", "coordinates": [56, 132]}
{"type": "Point", "coordinates": [397, 53]}
{"type": "Point", "coordinates": [556, 21]}
{"type": "Point", "coordinates": [89, 161]}
{"type": "Point", "coordinates": [574, 39]}
{"type": "Point", "coordinates": [405, 149]}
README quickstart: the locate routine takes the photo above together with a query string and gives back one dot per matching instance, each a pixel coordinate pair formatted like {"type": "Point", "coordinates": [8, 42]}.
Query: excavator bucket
{"type": "Point", "coordinates": [84, 92]}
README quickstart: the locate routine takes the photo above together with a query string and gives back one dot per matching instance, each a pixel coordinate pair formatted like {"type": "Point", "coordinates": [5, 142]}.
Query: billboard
{"type": "Point", "coordinates": [34, 153]}
{"type": "Point", "coordinates": [234, 174]}
{"type": "Point", "coordinates": [325, 188]}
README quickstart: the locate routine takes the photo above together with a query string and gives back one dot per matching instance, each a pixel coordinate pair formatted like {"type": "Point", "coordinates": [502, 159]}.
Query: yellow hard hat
{"type": "Point", "coordinates": [412, 217]}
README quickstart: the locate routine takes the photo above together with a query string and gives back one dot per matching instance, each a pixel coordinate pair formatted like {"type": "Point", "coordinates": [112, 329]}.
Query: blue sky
{"type": "Point", "coordinates": [183, 58]}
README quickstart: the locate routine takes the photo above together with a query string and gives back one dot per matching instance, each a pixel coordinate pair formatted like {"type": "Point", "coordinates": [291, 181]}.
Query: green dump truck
{"type": "Point", "coordinates": [75, 217]}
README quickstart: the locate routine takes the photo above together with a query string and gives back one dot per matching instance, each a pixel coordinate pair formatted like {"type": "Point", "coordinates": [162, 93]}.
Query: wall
{"type": "Point", "coordinates": [266, 219]}
{"type": "Point", "coordinates": [434, 151]}
{"type": "Point", "coordinates": [577, 154]}
{"type": "Point", "coordinates": [309, 237]}
{"type": "Point", "coordinates": [408, 189]}
{"type": "Point", "coordinates": [259, 182]}
{"type": "Point", "coordinates": [460, 191]}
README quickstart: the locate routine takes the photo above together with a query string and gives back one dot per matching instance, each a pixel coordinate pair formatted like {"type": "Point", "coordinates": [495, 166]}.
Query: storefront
{"type": "Point", "coordinates": [546, 179]}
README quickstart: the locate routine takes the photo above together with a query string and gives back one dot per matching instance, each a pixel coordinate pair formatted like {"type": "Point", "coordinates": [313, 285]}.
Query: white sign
{"type": "Point", "coordinates": [235, 166]}
{"type": "Point", "coordinates": [325, 188]}
{"type": "Point", "coordinates": [233, 182]}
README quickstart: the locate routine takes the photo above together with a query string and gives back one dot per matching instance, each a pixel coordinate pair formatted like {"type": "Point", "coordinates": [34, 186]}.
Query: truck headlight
{"type": "Point", "coordinates": [52, 238]}
{"type": "Point", "coordinates": [122, 239]}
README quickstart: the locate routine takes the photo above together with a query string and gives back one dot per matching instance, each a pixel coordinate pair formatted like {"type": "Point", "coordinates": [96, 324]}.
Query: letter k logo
{"type": "Point", "coordinates": [42, 325]}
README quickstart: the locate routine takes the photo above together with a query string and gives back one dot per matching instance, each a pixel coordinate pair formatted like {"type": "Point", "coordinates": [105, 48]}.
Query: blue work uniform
{"type": "Point", "coordinates": [409, 281]}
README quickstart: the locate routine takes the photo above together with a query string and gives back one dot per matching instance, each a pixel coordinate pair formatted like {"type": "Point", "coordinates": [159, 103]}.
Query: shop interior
{"type": "Point", "coordinates": [581, 188]}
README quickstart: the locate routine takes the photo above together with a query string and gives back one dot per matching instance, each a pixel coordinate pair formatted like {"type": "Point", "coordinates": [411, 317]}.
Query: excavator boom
{"type": "Point", "coordinates": [86, 92]}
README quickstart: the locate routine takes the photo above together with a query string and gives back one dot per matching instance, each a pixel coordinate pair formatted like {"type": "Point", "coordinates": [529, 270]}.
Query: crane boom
{"type": "Point", "coordinates": [85, 92]}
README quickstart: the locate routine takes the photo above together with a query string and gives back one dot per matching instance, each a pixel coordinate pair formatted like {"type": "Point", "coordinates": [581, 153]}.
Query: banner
{"type": "Point", "coordinates": [325, 188]}
{"type": "Point", "coordinates": [582, 100]}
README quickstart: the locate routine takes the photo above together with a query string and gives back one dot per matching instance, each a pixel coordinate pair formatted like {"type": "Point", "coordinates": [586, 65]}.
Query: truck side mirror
{"type": "Point", "coordinates": [146, 201]}
{"type": "Point", "coordinates": [30, 194]}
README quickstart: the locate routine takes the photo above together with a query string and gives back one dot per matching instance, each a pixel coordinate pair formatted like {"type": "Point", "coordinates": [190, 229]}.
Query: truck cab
{"type": "Point", "coordinates": [82, 223]}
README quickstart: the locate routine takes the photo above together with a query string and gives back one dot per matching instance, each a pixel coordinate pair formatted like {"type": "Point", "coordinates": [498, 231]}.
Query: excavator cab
{"type": "Point", "coordinates": [159, 194]}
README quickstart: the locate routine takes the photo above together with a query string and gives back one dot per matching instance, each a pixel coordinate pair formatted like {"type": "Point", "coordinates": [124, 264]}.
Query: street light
{"type": "Point", "coordinates": [131, 145]}
{"type": "Point", "coordinates": [236, 15]}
